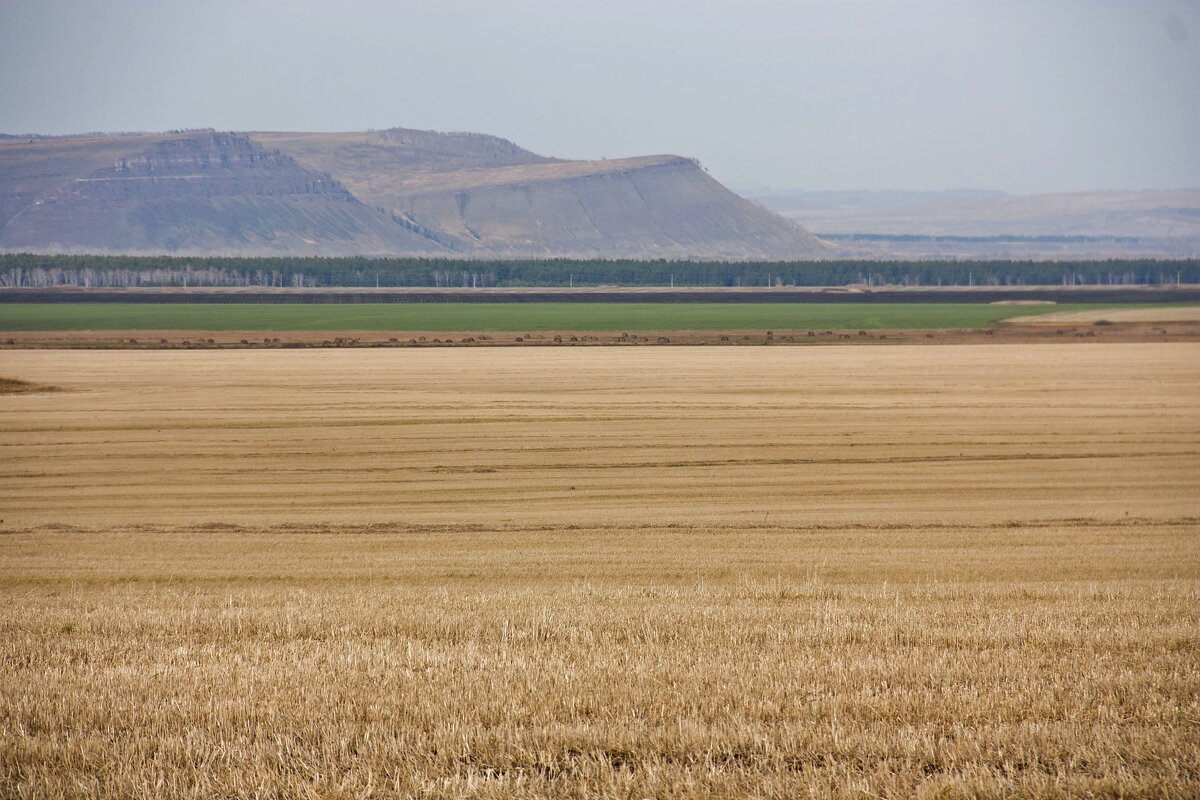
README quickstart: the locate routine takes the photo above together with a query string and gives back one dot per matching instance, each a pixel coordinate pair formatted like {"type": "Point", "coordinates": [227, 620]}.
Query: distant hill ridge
{"type": "Point", "coordinates": [389, 192]}
{"type": "Point", "coordinates": [1159, 223]}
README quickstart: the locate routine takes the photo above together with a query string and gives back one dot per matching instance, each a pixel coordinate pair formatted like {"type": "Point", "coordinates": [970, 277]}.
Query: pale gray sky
{"type": "Point", "coordinates": [1020, 95]}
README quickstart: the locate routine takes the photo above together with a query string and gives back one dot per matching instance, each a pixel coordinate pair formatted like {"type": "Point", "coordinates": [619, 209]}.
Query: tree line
{"type": "Point", "coordinates": [43, 271]}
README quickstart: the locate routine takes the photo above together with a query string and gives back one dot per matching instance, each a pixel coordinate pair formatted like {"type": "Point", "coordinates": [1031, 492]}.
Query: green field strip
{"type": "Point", "coordinates": [517, 317]}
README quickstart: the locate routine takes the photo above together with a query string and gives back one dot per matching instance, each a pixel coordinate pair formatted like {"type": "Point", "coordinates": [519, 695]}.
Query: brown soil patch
{"type": "Point", "coordinates": [14, 386]}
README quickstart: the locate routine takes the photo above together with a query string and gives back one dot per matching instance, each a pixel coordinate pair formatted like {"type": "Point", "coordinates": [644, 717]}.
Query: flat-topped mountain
{"type": "Point", "coordinates": [392, 192]}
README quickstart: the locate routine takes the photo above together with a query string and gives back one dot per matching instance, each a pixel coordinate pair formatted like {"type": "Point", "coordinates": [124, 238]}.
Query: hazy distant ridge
{"type": "Point", "coordinates": [1152, 223]}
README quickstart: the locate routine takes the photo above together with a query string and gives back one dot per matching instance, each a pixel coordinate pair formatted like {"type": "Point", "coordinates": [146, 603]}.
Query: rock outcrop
{"type": "Point", "coordinates": [206, 193]}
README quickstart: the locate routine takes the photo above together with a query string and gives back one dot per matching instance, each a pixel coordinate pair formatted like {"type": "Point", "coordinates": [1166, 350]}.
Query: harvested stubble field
{"type": "Point", "coordinates": [777, 572]}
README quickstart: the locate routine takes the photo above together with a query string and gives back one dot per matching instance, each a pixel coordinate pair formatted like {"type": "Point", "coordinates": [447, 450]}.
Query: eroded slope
{"type": "Point", "coordinates": [486, 195]}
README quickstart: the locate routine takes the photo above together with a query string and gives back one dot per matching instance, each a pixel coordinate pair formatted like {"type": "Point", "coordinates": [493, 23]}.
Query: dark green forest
{"type": "Point", "coordinates": [42, 271]}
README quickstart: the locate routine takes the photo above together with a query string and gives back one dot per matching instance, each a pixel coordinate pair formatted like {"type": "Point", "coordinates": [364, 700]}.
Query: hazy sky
{"type": "Point", "coordinates": [1021, 95]}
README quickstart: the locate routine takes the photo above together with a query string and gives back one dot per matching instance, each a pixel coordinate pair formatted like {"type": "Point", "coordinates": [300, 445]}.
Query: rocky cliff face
{"type": "Point", "coordinates": [205, 194]}
{"type": "Point", "coordinates": [388, 192]}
